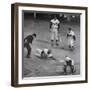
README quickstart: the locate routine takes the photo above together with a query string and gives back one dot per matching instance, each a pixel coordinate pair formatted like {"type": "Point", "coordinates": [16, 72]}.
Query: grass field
{"type": "Point", "coordinates": [34, 66]}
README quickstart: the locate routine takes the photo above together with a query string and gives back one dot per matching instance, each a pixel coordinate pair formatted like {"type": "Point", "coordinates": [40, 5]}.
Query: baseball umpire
{"type": "Point", "coordinates": [28, 43]}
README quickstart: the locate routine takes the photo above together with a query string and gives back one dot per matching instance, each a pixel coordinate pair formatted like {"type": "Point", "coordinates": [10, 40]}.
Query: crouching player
{"type": "Point", "coordinates": [71, 38]}
{"type": "Point", "coordinates": [44, 53]}
{"type": "Point", "coordinates": [28, 43]}
{"type": "Point", "coordinates": [68, 63]}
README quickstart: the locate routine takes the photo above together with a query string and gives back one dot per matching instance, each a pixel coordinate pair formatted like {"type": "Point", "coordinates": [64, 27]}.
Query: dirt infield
{"type": "Point", "coordinates": [34, 66]}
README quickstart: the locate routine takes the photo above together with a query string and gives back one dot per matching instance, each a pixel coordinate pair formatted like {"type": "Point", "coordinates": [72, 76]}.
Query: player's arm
{"type": "Point", "coordinates": [26, 39]}
{"type": "Point", "coordinates": [67, 35]}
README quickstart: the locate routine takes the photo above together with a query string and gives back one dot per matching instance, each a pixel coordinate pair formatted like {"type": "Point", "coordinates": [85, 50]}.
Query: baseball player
{"type": "Point", "coordinates": [28, 43]}
{"type": "Point", "coordinates": [71, 38]}
{"type": "Point", "coordinates": [44, 54]}
{"type": "Point", "coordinates": [68, 62]}
{"type": "Point", "coordinates": [54, 28]}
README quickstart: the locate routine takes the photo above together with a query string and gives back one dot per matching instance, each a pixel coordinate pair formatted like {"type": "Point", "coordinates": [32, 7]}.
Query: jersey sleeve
{"type": "Point", "coordinates": [67, 35]}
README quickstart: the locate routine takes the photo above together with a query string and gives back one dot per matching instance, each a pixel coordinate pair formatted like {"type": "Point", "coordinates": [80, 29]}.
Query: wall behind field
{"type": "Point", "coordinates": [5, 44]}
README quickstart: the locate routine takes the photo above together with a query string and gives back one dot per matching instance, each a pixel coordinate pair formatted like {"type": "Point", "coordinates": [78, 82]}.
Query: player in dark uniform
{"type": "Point", "coordinates": [28, 43]}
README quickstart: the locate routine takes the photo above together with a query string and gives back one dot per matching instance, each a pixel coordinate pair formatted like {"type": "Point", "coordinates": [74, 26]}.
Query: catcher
{"type": "Point", "coordinates": [69, 63]}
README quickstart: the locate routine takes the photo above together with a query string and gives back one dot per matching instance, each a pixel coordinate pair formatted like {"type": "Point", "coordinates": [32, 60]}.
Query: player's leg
{"type": "Point", "coordinates": [29, 50]}
{"type": "Point", "coordinates": [38, 52]}
{"type": "Point", "coordinates": [56, 37]}
{"type": "Point", "coordinates": [69, 42]}
{"type": "Point", "coordinates": [72, 69]}
{"type": "Point", "coordinates": [72, 44]}
{"type": "Point", "coordinates": [57, 42]}
{"type": "Point", "coordinates": [52, 42]}
{"type": "Point", "coordinates": [52, 38]}
{"type": "Point", "coordinates": [65, 68]}
{"type": "Point", "coordinates": [26, 46]}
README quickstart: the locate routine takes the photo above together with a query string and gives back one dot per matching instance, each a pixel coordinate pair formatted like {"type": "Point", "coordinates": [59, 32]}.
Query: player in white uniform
{"type": "Point", "coordinates": [43, 53]}
{"type": "Point", "coordinates": [69, 62]}
{"type": "Point", "coordinates": [71, 38]}
{"type": "Point", "coordinates": [54, 28]}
